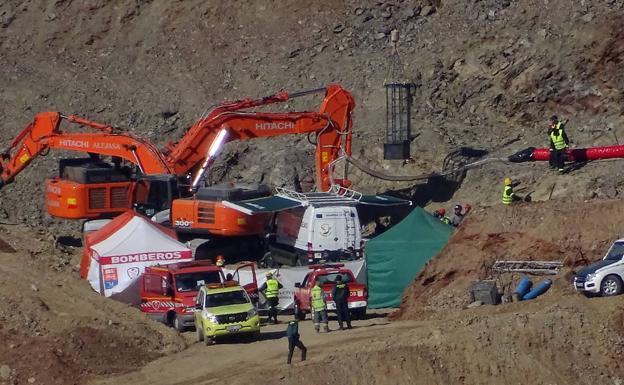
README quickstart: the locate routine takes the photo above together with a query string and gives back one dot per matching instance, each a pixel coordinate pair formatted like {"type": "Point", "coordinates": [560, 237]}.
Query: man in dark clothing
{"type": "Point", "coordinates": [340, 294]}
{"type": "Point", "coordinates": [559, 142]}
{"type": "Point", "coordinates": [292, 332]}
{"type": "Point", "coordinates": [459, 213]}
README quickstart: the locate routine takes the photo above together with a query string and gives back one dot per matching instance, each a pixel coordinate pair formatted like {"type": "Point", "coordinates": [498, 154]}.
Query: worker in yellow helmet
{"type": "Point", "coordinates": [508, 195]}
{"type": "Point", "coordinates": [559, 142]}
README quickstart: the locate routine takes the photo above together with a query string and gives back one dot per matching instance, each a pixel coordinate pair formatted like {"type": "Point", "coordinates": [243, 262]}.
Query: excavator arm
{"type": "Point", "coordinates": [43, 133]}
{"type": "Point", "coordinates": [332, 125]}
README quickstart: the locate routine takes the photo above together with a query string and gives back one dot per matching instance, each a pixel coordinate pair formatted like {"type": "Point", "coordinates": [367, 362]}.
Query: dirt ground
{"type": "Point", "coordinates": [487, 74]}
{"type": "Point", "coordinates": [559, 338]}
{"type": "Point", "coordinates": [239, 362]}
{"type": "Point", "coordinates": [557, 230]}
{"type": "Point", "coordinates": [56, 330]}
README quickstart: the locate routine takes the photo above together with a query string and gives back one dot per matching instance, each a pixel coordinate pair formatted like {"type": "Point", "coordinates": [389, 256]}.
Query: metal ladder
{"type": "Point", "coordinates": [349, 226]}
{"type": "Point", "coordinates": [335, 196]}
{"type": "Point", "coordinates": [530, 267]}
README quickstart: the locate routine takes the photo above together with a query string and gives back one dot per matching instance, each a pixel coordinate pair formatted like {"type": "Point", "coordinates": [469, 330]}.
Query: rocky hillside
{"type": "Point", "coordinates": [488, 74]}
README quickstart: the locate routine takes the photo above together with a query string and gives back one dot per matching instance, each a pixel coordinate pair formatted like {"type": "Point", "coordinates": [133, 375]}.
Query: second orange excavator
{"type": "Point", "coordinates": [169, 183]}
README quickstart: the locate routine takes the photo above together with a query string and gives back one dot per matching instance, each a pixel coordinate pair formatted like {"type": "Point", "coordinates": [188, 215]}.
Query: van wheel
{"type": "Point", "coordinates": [611, 285]}
{"type": "Point", "coordinates": [268, 261]}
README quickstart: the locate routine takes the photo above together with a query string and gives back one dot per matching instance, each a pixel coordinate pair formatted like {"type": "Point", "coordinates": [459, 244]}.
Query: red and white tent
{"type": "Point", "coordinates": [117, 254]}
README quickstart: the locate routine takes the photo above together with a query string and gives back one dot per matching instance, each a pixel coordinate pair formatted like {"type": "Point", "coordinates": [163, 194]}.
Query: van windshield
{"type": "Point", "coordinates": [192, 281]}
{"type": "Point", "coordinates": [615, 252]}
{"type": "Point", "coordinates": [331, 278]}
{"type": "Point", "coordinates": [228, 298]}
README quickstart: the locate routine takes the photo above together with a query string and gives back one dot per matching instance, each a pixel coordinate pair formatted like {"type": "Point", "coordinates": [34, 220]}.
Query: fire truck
{"type": "Point", "coordinates": [327, 273]}
{"type": "Point", "coordinates": [168, 292]}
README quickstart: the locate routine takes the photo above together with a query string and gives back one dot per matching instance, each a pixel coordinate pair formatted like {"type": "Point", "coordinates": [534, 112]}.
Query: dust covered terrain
{"type": "Point", "coordinates": [488, 74]}
{"type": "Point", "coordinates": [559, 338]}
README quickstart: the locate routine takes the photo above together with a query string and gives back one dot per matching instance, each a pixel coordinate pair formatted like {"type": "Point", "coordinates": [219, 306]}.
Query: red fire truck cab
{"type": "Point", "coordinates": [327, 273]}
{"type": "Point", "coordinates": [168, 292]}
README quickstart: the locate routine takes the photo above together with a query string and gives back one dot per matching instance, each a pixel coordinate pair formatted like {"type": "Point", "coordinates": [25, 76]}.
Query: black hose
{"type": "Point", "coordinates": [420, 177]}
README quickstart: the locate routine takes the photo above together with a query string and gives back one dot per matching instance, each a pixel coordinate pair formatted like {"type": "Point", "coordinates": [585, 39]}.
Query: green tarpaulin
{"type": "Point", "coordinates": [383, 200]}
{"type": "Point", "coordinates": [263, 205]}
{"type": "Point", "coordinates": [395, 257]}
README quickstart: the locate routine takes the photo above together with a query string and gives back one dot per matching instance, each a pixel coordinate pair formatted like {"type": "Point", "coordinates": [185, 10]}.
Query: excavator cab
{"type": "Point", "coordinates": [154, 193]}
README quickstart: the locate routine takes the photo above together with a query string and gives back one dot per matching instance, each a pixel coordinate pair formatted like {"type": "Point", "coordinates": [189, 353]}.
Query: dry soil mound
{"type": "Point", "coordinates": [55, 329]}
{"type": "Point", "coordinates": [556, 230]}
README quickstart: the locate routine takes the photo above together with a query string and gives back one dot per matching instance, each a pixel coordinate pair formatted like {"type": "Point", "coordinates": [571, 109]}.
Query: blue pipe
{"type": "Point", "coordinates": [538, 290]}
{"type": "Point", "coordinates": [523, 286]}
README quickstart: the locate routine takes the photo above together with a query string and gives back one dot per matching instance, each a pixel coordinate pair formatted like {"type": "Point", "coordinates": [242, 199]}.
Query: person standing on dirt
{"type": "Point", "coordinates": [509, 196]}
{"type": "Point", "coordinates": [319, 307]}
{"type": "Point", "coordinates": [441, 215]}
{"type": "Point", "coordinates": [459, 213]}
{"type": "Point", "coordinates": [340, 294]}
{"type": "Point", "coordinates": [559, 142]}
{"type": "Point", "coordinates": [292, 332]}
{"type": "Point", "coordinates": [271, 290]}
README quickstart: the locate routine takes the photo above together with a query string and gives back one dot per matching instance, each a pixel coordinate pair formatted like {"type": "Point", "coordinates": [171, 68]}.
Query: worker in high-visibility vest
{"type": "Point", "coordinates": [558, 142]}
{"type": "Point", "coordinates": [508, 195]}
{"type": "Point", "coordinates": [319, 307]}
{"type": "Point", "coordinates": [271, 288]}
{"type": "Point", "coordinates": [441, 215]}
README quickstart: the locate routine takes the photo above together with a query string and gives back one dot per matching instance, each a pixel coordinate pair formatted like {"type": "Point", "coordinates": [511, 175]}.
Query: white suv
{"type": "Point", "coordinates": [604, 277]}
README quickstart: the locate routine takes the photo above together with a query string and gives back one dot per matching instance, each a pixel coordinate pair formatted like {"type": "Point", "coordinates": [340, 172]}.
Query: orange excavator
{"type": "Point", "coordinates": [171, 181]}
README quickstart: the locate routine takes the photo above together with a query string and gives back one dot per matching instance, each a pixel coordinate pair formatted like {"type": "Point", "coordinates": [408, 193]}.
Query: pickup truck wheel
{"type": "Point", "coordinates": [177, 324]}
{"type": "Point", "coordinates": [359, 313]}
{"type": "Point", "coordinates": [298, 313]}
{"type": "Point", "coordinates": [200, 333]}
{"type": "Point", "coordinates": [611, 285]}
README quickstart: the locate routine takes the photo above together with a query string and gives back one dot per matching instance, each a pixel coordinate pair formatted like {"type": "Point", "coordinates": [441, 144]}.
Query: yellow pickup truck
{"type": "Point", "coordinates": [224, 309]}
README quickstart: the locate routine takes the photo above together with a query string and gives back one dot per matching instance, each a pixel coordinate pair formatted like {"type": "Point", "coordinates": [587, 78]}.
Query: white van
{"type": "Point", "coordinates": [313, 234]}
{"type": "Point", "coordinates": [315, 227]}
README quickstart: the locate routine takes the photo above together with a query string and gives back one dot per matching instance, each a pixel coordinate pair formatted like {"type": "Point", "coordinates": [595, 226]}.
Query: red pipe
{"type": "Point", "coordinates": [583, 154]}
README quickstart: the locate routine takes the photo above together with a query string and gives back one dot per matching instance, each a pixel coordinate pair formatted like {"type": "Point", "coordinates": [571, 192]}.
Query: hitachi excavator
{"type": "Point", "coordinates": [171, 181]}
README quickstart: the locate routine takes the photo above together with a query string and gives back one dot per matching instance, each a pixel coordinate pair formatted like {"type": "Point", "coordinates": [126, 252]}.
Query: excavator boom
{"type": "Point", "coordinates": [332, 125]}
{"type": "Point", "coordinates": [44, 133]}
